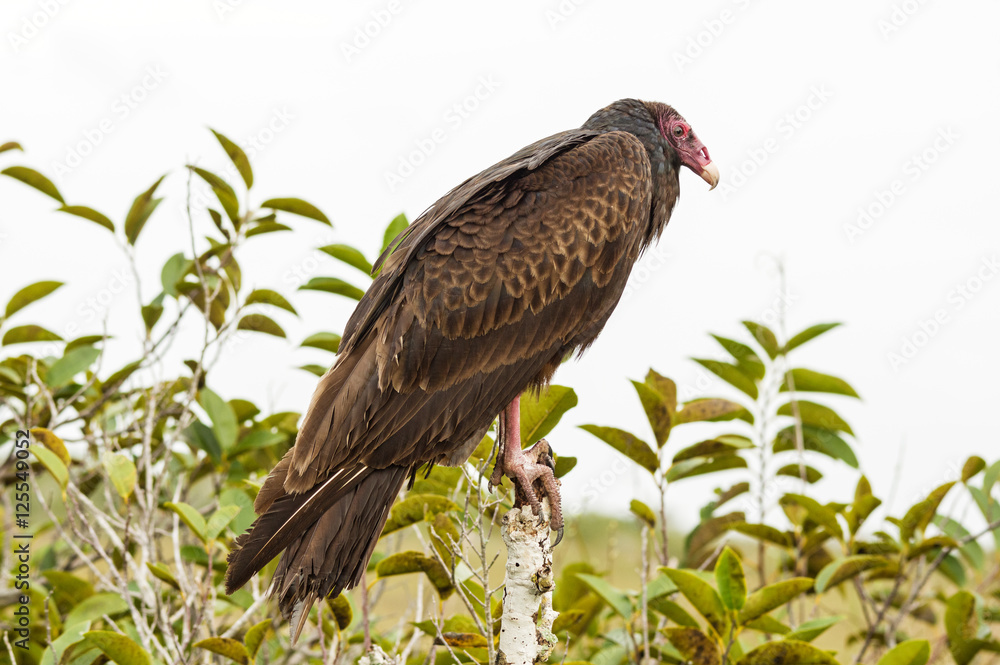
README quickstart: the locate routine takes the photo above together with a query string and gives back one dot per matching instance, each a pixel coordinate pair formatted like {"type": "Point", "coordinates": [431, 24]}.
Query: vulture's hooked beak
{"type": "Point", "coordinates": [695, 157]}
{"type": "Point", "coordinates": [710, 174]}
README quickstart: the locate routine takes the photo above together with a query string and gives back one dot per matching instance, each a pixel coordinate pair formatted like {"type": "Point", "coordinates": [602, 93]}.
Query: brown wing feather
{"type": "Point", "coordinates": [484, 296]}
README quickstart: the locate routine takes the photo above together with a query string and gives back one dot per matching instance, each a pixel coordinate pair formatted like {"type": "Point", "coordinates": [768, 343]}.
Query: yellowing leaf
{"type": "Point", "coordinates": [118, 648]}
{"type": "Point", "coordinates": [122, 472]}
{"type": "Point", "coordinates": [227, 647]}
{"type": "Point", "coordinates": [49, 439]}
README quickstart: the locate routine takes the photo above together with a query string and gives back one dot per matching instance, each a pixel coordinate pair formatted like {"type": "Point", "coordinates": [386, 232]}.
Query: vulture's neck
{"type": "Point", "coordinates": [662, 157]}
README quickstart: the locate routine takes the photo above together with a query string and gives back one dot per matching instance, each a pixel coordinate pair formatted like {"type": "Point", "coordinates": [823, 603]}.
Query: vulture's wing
{"type": "Point", "coordinates": [484, 296]}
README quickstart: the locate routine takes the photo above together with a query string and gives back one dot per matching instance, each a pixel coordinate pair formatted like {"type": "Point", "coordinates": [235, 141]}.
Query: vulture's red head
{"type": "Point", "coordinates": [664, 132]}
{"type": "Point", "coordinates": [690, 149]}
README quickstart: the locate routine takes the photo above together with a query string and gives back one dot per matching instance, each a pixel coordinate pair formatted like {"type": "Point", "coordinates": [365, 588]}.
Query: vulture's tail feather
{"type": "Point", "coordinates": [327, 534]}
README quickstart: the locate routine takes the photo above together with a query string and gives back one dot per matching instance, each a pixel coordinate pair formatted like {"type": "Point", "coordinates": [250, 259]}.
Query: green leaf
{"type": "Point", "coordinates": [702, 597]}
{"type": "Point", "coordinates": [787, 652]}
{"type": "Point", "coordinates": [223, 418]}
{"type": "Point", "coordinates": [222, 190]}
{"type": "Point", "coordinates": [118, 648]}
{"type": "Point", "coordinates": [724, 445]}
{"type": "Point", "coordinates": [768, 624]}
{"type": "Point", "coordinates": [162, 573]}
{"type": "Point", "coordinates": [963, 623]}
{"type": "Point", "coordinates": [201, 437]}
{"type": "Point", "coordinates": [11, 145]}
{"type": "Point", "coordinates": [416, 508]}
{"type": "Point", "coordinates": [816, 439]}
{"type": "Point", "coordinates": [226, 647]}
{"type": "Point", "coordinates": [748, 361]}
{"type": "Point", "coordinates": [256, 635]}
{"type": "Point", "coordinates": [730, 580]}
{"type": "Point", "coordinates": [297, 207]}
{"type": "Point", "coordinates": [672, 611]}
{"type": "Point", "coordinates": [763, 335]}
{"type": "Point", "coordinates": [795, 471]}
{"type": "Point", "coordinates": [808, 334]}
{"type": "Point", "coordinates": [30, 294]}
{"type": "Point", "coordinates": [810, 630]}
{"type": "Point", "coordinates": [699, 466]}
{"type": "Point", "coordinates": [398, 224]}
{"type": "Point", "coordinates": [766, 599]}
{"type": "Point", "coordinates": [52, 464]}
{"type": "Point", "coordinates": [71, 364]}
{"type": "Point", "coordinates": [28, 334]}
{"type": "Point", "coordinates": [219, 520]}
{"type": "Point", "coordinates": [696, 647]}
{"type": "Point", "coordinates": [564, 464]}
{"type": "Point", "coordinates": [323, 340]}
{"type": "Point", "coordinates": [95, 607]}
{"type": "Point", "coordinates": [238, 158]}
{"type": "Point", "coordinates": [666, 387]}
{"type": "Point", "coordinates": [260, 323]}
{"type": "Point", "coordinates": [920, 514]}
{"type": "Point", "coordinates": [89, 214]}
{"type": "Point", "coordinates": [122, 472]}
{"type": "Point", "coordinates": [910, 652]}
{"type": "Point", "coordinates": [806, 380]}
{"type": "Point", "coordinates": [709, 409]}
{"type": "Point", "coordinates": [972, 467]}
{"type": "Point", "coordinates": [864, 503]}
{"type": "Point", "coordinates": [817, 415]}
{"type": "Point", "coordinates": [971, 551]}
{"type": "Point", "coordinates": [618, 601]}
{"type": "Point", "coordinates": [403, 563]}
{"type": "Point", "coordinates": [627, 444]}
{"type": "Point", "coordinates": [190, 516]}
{"type": "Point", "coordinates": [267, 227]}
{"type": "Point", "coordinates": [142, 207]}
{"type": "Point", "coordinates": [541, 411]}
{"type": "Point", "coordinates": [348, 255]}
{"type": "Point", "coordinates": [33, 178]}
{"type": "Point", "coordinates": [657, 411]}
{"type": "Point", "coordinates": [766, 533]}
{"type": "Point", "coordinates": [846, 568]}
{"type": "Point", "coordinates": [643, 512]}
{"type": "Point", "coordinates": [333, 285]}
{"type": "Point", "coordinates": [731, 374]}
{"type": "Point", "coordinates": [173, 272]}
{"type": "Point", "coordinates": [819, 513]}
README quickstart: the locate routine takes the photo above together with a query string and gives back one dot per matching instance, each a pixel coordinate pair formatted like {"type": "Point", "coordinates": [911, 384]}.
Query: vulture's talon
{"type": "Point", "coordinates": [559, 535]}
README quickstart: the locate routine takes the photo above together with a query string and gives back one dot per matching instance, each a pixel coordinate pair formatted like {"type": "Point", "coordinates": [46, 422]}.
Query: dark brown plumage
{"type": "Point", "coordinates": [482, 298]}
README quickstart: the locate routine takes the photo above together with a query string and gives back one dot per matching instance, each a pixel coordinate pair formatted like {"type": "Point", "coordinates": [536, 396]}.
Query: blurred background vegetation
{"type": "Point", "coordinates": [139, 476]}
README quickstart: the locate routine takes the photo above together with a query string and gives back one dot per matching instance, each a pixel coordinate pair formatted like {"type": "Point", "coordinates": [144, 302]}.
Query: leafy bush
{"type": "Point", "coordinates": [141, 475]}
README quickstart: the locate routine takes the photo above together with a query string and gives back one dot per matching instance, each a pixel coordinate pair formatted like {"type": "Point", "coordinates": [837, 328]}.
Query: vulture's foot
{"type": "Point", "coordinates": [531, 470]}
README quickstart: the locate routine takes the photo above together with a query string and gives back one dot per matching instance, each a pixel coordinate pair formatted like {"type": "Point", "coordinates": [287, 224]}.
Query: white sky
{"type": "Point", "coordinates": [881, 94]}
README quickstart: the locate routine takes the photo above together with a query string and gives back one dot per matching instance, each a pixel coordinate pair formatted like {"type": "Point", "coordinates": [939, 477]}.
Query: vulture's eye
{"type": "Point", "coordinates": [680, 131]}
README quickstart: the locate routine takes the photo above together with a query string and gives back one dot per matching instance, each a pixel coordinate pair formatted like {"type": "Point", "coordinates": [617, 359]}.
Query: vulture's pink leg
{"type": "Point", "coordinates": [525, 467]}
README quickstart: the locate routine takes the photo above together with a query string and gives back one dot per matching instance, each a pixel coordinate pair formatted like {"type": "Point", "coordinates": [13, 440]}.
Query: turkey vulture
{"type": "Point", "coordinates": [481, 297]}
